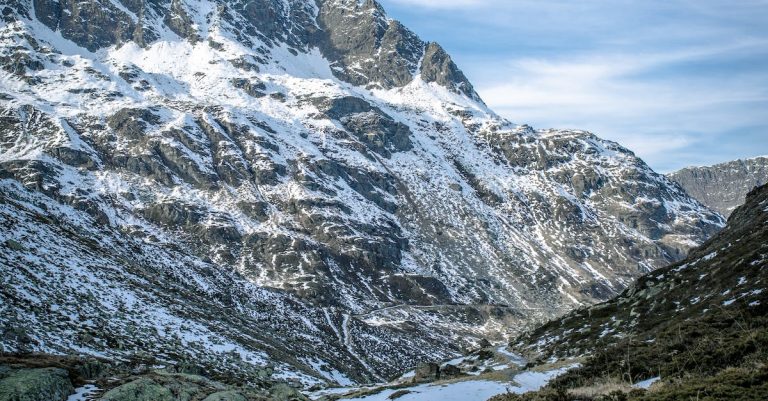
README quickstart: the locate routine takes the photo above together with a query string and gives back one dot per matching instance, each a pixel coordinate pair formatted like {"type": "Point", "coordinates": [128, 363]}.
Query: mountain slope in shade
{"type": "Point", "coordinates": [699, 326]}
{"type": "Point", "coordinates": [296, 183]}
{"type": "Point", "coordinates": [723, 186]}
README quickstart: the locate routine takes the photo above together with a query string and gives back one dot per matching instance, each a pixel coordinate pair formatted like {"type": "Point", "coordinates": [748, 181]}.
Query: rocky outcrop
{"type": "Point", "coordinates": [40, 377]}
{"type": "Point", "coordinates": [430, 372]}
{"type": "Point", "coordinates": [370, 125]}
{"type": "Point", "coordinates": [437, 66]}
{"type": "Point", "coordinates": [254, 89]}
{"type": "Point", "coordinates": [723, 186]}
{"type": "Point", "coordinates": [179, 21]}
{"type": "Point", "coordinates": [92, 24]}
{"type": "Point", "coordinates": [368, 48]}
{"type": "Point", "coordinates": [47, 384]}
{"type": "Point", "coordinates": [449, 371]}
{"type": "Point", "coordinates": [140, 390]}
{"type": "Point", "coordinates": [427, 372]}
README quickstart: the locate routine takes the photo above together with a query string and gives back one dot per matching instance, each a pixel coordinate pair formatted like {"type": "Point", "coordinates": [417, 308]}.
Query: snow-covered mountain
{"type": "Point", "coordinates": [723, 186]}
{"type": "Point", "coordinates": [300, 184]}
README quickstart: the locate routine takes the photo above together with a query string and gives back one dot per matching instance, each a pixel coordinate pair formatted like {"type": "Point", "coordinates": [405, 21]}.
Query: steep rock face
{"type": "Point", "coordinates": [723, 186]}
{"type": "Point", "coordinates": [231, 170]}
{"type": "Point", "coordinates": [437, 66]}
{"type": "Point", "coordinates": [366, 47]}
{"type": "Point", "coordinates": [85, 22]}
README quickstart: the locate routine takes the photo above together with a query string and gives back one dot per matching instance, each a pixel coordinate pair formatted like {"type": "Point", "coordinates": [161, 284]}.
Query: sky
{"type": "Point", "coordinates": [679, 82]}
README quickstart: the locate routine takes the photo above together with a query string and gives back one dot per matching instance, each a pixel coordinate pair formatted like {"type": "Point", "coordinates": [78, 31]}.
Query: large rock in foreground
{"type": "Point", "coordinates": [48, 384]}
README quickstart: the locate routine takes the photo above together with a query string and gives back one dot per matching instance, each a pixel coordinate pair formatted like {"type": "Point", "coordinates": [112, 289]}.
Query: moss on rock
{"type": "Point", "coordinates": [139, 390]}
{"type": "Point", "coordinates": [49, 384]}
{"type": "Point", "coordinates": [225, 396]}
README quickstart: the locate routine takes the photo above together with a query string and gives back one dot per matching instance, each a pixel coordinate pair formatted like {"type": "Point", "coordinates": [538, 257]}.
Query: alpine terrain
{"type": "Point", "coordinates": [723, 186]}
{"type": "Point", "coordinates": [291, 190]}
{"type": "Point", "coordinates": [697, 329]}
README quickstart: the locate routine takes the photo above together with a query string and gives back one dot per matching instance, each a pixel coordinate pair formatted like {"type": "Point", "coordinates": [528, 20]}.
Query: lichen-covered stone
{"type": "Point", "coordinates": [143, 389]}
{"type": "Point", "coordinates": [225, 396]}
{"type": "Point", "coordinates": [284, 392]}
{"type": "Point", "coordinates": [48, 384]}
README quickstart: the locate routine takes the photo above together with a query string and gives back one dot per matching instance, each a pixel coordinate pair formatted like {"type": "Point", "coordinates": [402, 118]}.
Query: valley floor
{"type": "Point", "coordinates": [478, 376]}
{"type": "Point", "coordinates": [464, 390]}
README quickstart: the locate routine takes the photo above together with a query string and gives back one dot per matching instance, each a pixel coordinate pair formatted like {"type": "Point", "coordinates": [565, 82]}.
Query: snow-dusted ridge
{"type": "Point", "coordinates": [723, 186]}
{"type": "Point", "coordinates": [210, 174]}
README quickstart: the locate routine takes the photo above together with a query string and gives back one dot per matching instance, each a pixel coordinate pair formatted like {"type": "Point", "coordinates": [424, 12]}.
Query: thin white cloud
{"type": "Point", "coordinates": [445, 4]}
{"type": "Point", "coordinates": [652, 116]}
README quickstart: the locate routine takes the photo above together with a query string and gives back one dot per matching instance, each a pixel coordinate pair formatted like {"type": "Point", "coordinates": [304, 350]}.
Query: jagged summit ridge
{"type": "Point", "coordinates": [363, 46]}
{"type": "Point", "coordinates": [349, 192]}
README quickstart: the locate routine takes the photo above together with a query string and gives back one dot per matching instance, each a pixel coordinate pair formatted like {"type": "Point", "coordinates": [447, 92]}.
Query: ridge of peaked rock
{"type": "Point", "coordinates": [295, 187]}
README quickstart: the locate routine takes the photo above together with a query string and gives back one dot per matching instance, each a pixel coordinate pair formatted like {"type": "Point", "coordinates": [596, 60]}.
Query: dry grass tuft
{"type": "Point", "coordinates": [600, 389]}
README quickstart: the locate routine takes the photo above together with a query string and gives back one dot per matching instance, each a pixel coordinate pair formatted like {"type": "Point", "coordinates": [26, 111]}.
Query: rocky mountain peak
{"type": "Point", "coordinates": [194, 177]}
{"type": "Point", "coordinates": [437, 66]}
{"type": "Point", "coordinates": [364, 46]}
{"type": "Point", "coordinates": [367, 48]}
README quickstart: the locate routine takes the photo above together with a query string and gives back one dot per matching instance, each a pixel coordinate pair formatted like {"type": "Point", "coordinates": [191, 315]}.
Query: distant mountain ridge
{"type": "Point", "coordinates": [723, 186]}
{"type": "Point", "coordinates": [298, 187]}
